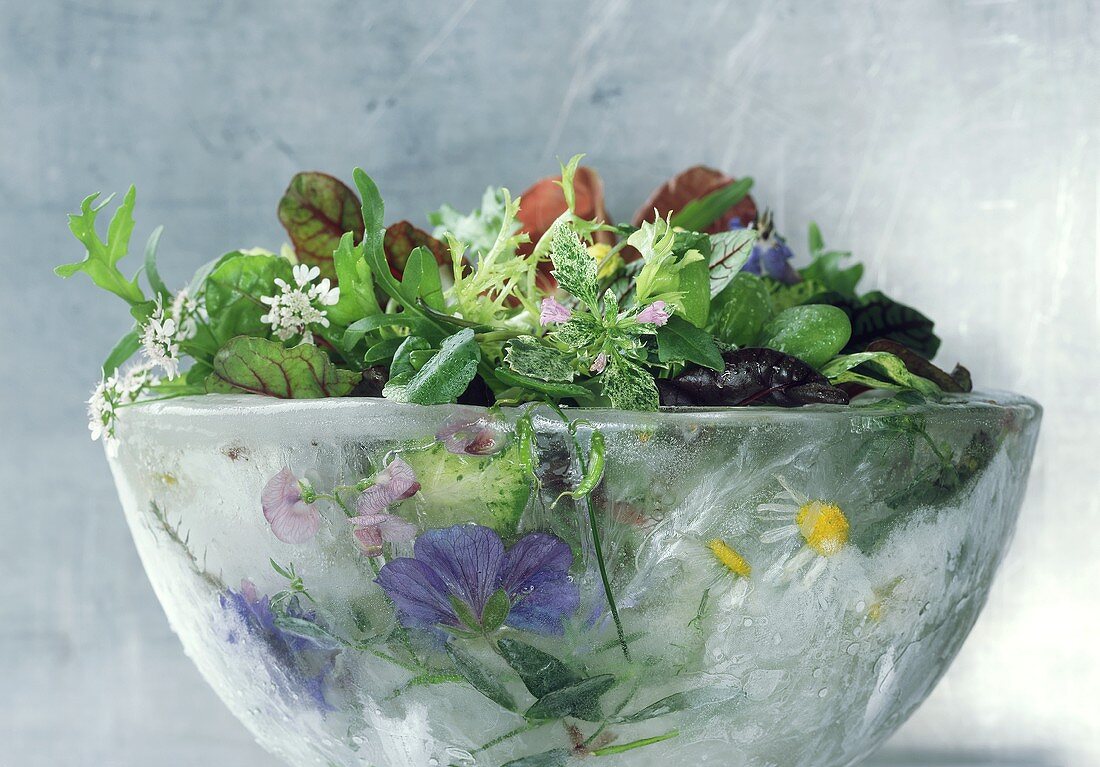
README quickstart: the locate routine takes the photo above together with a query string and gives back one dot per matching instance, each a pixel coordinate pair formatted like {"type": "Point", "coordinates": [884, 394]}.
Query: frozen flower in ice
{"type": "Point", "coordinates": [394, 483]}
{"type": "Point", "coordinates": [821, 526]}
{"type": "Point", "coordinates": [770, 255]}
{"type": "Point", "coordinates": [460, 568]}
{"type": "Point", "coordinates": [112, 393]}
{"type": "Point", "coordinates": [470, 432]}
{"type": "Point", "coordinates": [655, 314]}
{"type": "Point", "coordinates": [373, 523]}
{"type": "Point", "coordinates": [296, 307]}
{"type": "Point", "coordinates": [303, 661]}
{"type": "Point", "coordinates": [373, 529]}
{"type": "Point", "coordinates": [599, 363]}
{"type": "Point", "coordinates": [553, 312]}
{"type": "Point", "coordinates": [292, 519]}
{"type": "Point", "coordinates": [160, 340]}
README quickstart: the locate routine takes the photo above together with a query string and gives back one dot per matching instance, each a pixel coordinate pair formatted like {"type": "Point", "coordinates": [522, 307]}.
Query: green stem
{"type": "Point", "coordinates": [508, 735]}
{"type": "Point", "coordinates": [609, 750]}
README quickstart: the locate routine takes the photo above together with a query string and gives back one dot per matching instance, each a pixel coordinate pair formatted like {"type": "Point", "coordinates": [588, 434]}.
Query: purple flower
{"type": "Point", "coordinates": [292, 520]}
{"type": "Point", "coordinates": [655, 313]}
{"type": "Point", "coordinates": [467, 564]}
{"type": "Point", "coordinates": [303, 662]}
{"type": "Point", "coordinates": [770, 255]}
{"type": "Point", "coordinates": [470, 432]}
{"type": "Point", "coordinates": [554, 312]}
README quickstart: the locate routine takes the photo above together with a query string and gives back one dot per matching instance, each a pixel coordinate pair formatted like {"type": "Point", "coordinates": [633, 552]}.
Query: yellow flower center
{"type": "Point", "coordinates": [824, 527]}
{"type": "Point", "coordinates": [733, 561]}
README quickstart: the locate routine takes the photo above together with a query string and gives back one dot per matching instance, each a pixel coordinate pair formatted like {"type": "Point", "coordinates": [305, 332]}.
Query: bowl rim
{"type": "Point", "coordinates": [257, 405]}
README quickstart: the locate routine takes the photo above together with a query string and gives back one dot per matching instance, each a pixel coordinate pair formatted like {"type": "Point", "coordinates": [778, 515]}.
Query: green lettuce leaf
{"type": "Point", "coordinates": [442, 379]}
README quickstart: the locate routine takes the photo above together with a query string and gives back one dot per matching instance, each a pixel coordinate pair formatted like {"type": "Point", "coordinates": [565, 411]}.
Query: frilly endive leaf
{"type": "Point", "coordinates": [316, 210]}
{"type": "Point", "coordinates": [261, 366]}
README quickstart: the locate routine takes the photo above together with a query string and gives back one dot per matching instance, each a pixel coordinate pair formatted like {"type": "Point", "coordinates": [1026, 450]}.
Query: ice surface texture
{"type": "Point", "coordinates": [789, 584]}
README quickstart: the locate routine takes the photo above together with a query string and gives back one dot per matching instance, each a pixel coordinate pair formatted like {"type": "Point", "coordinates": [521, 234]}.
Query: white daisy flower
{"type": "Point", "coordinates": [820, 525]}
{"type": "Point", "coordinates": [295, 308]}
{"type": "Point", "coordinates": [159, 338]}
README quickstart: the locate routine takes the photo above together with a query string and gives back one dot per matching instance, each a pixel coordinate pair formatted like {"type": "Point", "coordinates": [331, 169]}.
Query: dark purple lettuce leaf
{"type": "Point", "coordinates": [753, 376]}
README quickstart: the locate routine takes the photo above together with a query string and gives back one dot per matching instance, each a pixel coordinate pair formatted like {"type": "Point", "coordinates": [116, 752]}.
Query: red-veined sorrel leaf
{"type": "Point", "coordinates": [403, 238]}
{"type": "Point", "coordinates": [316, 210]}
{"type": "Point", "coordinates": [260, 366]}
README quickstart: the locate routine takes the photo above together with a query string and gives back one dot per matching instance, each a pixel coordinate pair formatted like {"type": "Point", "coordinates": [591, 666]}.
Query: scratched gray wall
{"type": "Point", "coordinates": [954, 146]}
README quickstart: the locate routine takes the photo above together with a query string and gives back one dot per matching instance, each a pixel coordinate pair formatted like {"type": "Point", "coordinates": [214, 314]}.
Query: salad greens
{"type": "Point", "coordinates": [696, 302]}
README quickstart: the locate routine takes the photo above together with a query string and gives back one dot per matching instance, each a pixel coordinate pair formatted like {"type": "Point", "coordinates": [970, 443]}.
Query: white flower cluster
{"type": "Point", "coordinates": [296, 307]}
{"type": "Point", "coordinates": [112, 393]}
{"type": "Point", "coordinates": [162, 332]}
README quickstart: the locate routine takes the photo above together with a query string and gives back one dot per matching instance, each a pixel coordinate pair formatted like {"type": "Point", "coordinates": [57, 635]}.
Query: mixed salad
{"type": "Point", "coordinates": [697, 301]}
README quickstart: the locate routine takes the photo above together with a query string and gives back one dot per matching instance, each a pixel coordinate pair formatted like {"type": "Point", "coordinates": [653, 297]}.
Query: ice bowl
{"type": "Point", "coordinates": [371, 583]}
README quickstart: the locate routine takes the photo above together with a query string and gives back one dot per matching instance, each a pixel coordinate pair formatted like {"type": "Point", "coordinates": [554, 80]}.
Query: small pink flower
{"type": "Point", "coordinates": [394, 483]}
{"type": "Point", "coordinates": [371, 530]}
{"type": "Point", "coordinates": [554, 312]}
{"type": "Point", "coordinates": [292, 520]}
{"type": "Point", "coordinates": [469, 432]}
{"type": "Point", "coordinates": [655, 314]}
{"type": "Point", "coordinates": [599, 363]}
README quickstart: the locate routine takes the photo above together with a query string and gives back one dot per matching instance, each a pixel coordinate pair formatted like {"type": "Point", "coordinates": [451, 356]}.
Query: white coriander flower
{"type": "Point", "coordinates": [295, 308]}
{"type": "Point", "coordinates": [159, 337]}
{"type": "Point", "coordinates": [187, 312]}
{"type": "Point", "coordinates": [112, 393]}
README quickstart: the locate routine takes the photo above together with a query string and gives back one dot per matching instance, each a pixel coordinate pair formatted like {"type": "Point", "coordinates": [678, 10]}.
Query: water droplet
{"type": "Point", "coordinates": [433, 762]}
{"type": "Point", "coordinates": [861, 606]}
{"type": "Point", "coordinates": [823, 692]}
{"type": "Point", "coordinates": [460, 755]}
{"type": "Point", "coordinates": [778, 639]}
{"type": "Point", "coordinates": [857, 631]}
{"type": "Point", "coordinates": [853, 648]}
{"type": "Point", "coordinates": [818, 673]}
{"type": "Point", "coordinates": [747, 622]}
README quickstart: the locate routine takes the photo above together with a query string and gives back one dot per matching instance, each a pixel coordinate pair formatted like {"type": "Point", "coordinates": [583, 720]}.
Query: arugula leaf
{"type": "Point", "coordinates": [527, 356]}
{"type": "Point", "coordinates": [728, 253]}
{"type": "Point", "coordinates": [442, 379]}
{"type": "Point", "coordinates": [738, 314]}
{"type": "Point", "coordinates": [233, 289]}
{"type": "Point", "coordinates": [680, 341]}
{"type": "Point", "coordinates": [151, 273]}
{"type": "Point", "coordinates": [316, 210]}
{"type": "Point", "coordinates": [126, 347]}
{"type": "Point", "coordinates": [814, 333]}
{"type": "Point", "coordinates": [628, 386]}
{"type": "Point", "coordinates": [574, 268]}
{"type": "Point", "coordinates": [101, 261]}
{"type": "Point", "coordinates": [262, 366]}
{"type": "Point", "coordinates": [701, 213]}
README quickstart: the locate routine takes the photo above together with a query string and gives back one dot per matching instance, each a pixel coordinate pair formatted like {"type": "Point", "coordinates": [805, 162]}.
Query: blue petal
{"type": "Point", "coordinates": [467, 558]}
{"type": "Point", "coordinates": [543, 609]}
{"type": "Point", "coordinates": [534, 557]}
{"type": "Point", "coordinates": [420, 595]}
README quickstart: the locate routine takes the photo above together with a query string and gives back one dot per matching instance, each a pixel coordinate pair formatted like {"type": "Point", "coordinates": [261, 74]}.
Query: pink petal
{"type": "Point", "coordinates": [554, 312]}
{"type": "Point", "coordinates": [399, 478]}
{"type": "Point", "coordinates": [373, 501]}
{"type": "Point", "coordinates": [291, 519]}
{"type": "Point", "coordinates": [397, 530]}
{"type": "Point", "coordinates": [655, 314]}
{"type": "Point", "coordinates": [369, 540]}
{"type": "Point", "coordinates": [469, 432]}
{"type": "Point", "coordinates": [599, 363]}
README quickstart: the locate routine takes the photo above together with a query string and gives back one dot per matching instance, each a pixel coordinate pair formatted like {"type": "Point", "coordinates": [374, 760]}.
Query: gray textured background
{"type": "Point", "coordinates": [954, 146]}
